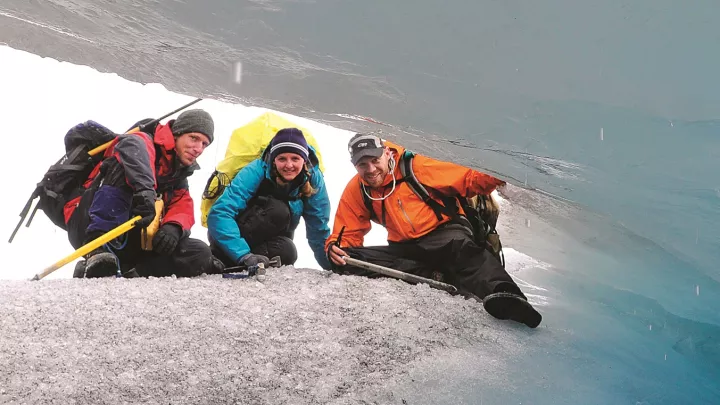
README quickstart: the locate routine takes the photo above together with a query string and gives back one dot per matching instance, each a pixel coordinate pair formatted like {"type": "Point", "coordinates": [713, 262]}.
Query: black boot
{"type": "Point", "coordinates": [217, 266]}
{"type": "Point", "coordinates": [132, 273]}
{"type": "Point", "coordinates": [79, 269]}
{"type": "Point", "coordinates": [507, 305]}
{"type": "Point", "coordinates": [100, 263]}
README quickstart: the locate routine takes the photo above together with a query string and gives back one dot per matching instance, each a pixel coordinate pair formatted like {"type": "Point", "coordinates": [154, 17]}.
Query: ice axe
{"type": "Point", "coordinates": [104, 146]}
{"type": "Point", "coordinates": [231, 272]}
{"type": "Point", "coordinates": [89, 247]}
{"type": "Point", "coordinates": [399, 274]}
{"type": "Point", "coordinates": [386, 271]}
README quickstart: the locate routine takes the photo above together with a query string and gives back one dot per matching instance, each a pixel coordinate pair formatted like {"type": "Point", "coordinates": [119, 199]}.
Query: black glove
{"type": "Point", "coordinates": [166, 239]}
{"type": "Point", "coordinates": [251, 259]}
{"type": "Point", "coordinates": [143, 204]}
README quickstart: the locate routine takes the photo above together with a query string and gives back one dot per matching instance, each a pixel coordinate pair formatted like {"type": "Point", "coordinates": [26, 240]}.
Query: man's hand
{"type": "Point", "coordinates": [335, 254]}
{"type": "Point", "coordinates": [143, 204]}
{"type": "Point", "coordinates": [166, 239]}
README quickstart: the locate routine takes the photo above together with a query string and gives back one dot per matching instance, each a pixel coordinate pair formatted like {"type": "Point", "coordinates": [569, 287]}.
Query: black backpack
{"type": "Point", "coordinates": [63, 181]}
{"type": "Point", "coordinates": [480, 211]}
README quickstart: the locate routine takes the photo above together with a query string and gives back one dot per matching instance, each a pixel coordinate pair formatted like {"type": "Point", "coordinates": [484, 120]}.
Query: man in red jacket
{"type": "Point", "coordinates": [137, 169]}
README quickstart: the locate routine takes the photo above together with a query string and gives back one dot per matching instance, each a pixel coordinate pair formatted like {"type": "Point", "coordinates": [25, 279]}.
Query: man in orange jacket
{"type": "Point", "coordinates": [419, 240]}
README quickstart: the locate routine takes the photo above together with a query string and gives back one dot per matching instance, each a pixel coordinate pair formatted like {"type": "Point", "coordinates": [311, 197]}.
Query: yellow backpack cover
{"type": "Point", "coordinates": [247, 143]}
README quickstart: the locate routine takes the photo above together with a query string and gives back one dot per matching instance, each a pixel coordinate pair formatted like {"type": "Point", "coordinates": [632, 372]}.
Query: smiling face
{"type": "Point", "coordinates": [188, 147]}
{"type": "Point", "coordinates": [374, 169]}
{"type": "Point", "coordinates": [288, 165]}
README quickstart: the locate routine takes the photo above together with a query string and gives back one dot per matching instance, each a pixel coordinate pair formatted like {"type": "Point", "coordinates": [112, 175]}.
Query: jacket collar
{"type": "Point", "coordinates": [166, 140]}
{"type": "Point", "coordinates": [292, 188]}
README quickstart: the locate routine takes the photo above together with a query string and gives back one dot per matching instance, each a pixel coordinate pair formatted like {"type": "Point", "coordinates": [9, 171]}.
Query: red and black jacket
{"type": "Point", "coordinates": [149, 163]}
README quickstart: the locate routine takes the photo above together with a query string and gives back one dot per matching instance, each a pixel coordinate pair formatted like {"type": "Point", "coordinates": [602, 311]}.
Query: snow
{"type": "Point", "coordinates": [302, 336]}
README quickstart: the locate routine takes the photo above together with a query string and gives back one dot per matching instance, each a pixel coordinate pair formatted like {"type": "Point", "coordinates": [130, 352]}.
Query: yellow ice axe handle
{"type": "Point", "coordinates": [146, 237]}
{"type": "Point", "coordinates": [89, 247]}
{"type": "Point", "coordinates": [106, 145]}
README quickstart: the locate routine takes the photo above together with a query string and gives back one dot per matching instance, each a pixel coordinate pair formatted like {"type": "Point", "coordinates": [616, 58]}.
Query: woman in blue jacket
{"type": "Point", "coordinates": [255, 218]}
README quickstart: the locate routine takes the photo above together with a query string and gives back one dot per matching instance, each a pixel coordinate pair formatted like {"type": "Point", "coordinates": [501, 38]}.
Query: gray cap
{"type": "Point", "coordinates": [363, 145]}
{"type": "Point", "coordinates": [194, 121]}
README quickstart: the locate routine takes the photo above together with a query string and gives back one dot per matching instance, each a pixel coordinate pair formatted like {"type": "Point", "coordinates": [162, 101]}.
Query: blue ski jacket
{"type": "Point", "coordinates": [315, 210]}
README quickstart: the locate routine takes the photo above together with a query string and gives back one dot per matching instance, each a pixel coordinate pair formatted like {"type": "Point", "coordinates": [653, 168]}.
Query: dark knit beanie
{"type": "Point", "coordinates": [194, 121]}
{"type": "Point", "coordinates": [289, 140]}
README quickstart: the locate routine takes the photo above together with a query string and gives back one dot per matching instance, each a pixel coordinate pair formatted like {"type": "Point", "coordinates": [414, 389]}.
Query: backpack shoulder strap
{"type": "Point", "coordinates": [482, 225]}
{"type": "Point", "coordinates": [72, 156]}
{"type": "Point", "coordinates": [408, 176]}
{"type": "Point", "coordinates": [368, 204]}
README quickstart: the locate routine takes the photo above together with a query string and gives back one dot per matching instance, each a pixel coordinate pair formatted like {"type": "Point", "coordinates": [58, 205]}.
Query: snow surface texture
{"type": "Point", "coordinates": [302, 336]}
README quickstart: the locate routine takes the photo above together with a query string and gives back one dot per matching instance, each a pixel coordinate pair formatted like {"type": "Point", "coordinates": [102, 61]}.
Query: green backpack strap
{"type": "Point", "coordinates": [368, 204]}
{"type": "Point", "coordinates": [483, 228]}
{"type": "Point", "coordinates": [420, 190]}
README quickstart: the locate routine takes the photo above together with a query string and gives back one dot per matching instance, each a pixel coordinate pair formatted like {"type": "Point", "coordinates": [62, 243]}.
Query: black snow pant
{"type": "Point", "coordinates": [264, 225]}
{"type": "Point", "coordinates": [451, 250]}
{"type": "Point", "coordinates": [104, 206]}
{"type": "Point", "coordinates": [281, 246]}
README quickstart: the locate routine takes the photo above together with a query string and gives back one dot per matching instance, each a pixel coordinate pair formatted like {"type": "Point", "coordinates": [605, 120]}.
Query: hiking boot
{"type": "Point", "coordinates": [216, 266]}
{"type": "Point", "coordinates": [506, 305]}
{"type": "Point", "coordinates": [99, 263]}
{"type": "Point", "coordinates": [132, 273]}
{"type": "Point", "coordinates": [79, 269]}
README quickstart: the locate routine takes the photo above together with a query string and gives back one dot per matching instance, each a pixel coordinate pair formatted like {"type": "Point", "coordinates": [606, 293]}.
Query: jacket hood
{"type": "Point", "coordinates": [164, 138]}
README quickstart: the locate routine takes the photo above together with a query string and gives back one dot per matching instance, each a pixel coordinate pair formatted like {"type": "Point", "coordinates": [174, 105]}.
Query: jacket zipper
{"type": "Point", "coordinates": [407, 218]}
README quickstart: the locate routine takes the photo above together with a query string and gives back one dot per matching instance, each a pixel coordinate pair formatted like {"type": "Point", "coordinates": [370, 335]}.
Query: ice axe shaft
{"type": "Point", "coordinates": [24, 213]}
{"type": "Point", "coordinates": [104, 146]}
{"type": "Point", "coordinates": [399, 274]}
{"type": "Point", "coordinates": [89, 247]}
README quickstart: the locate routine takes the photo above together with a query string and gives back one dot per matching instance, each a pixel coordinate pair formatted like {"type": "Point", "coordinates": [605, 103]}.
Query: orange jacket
{"type": "Point", "coordinates": [406, 215]}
